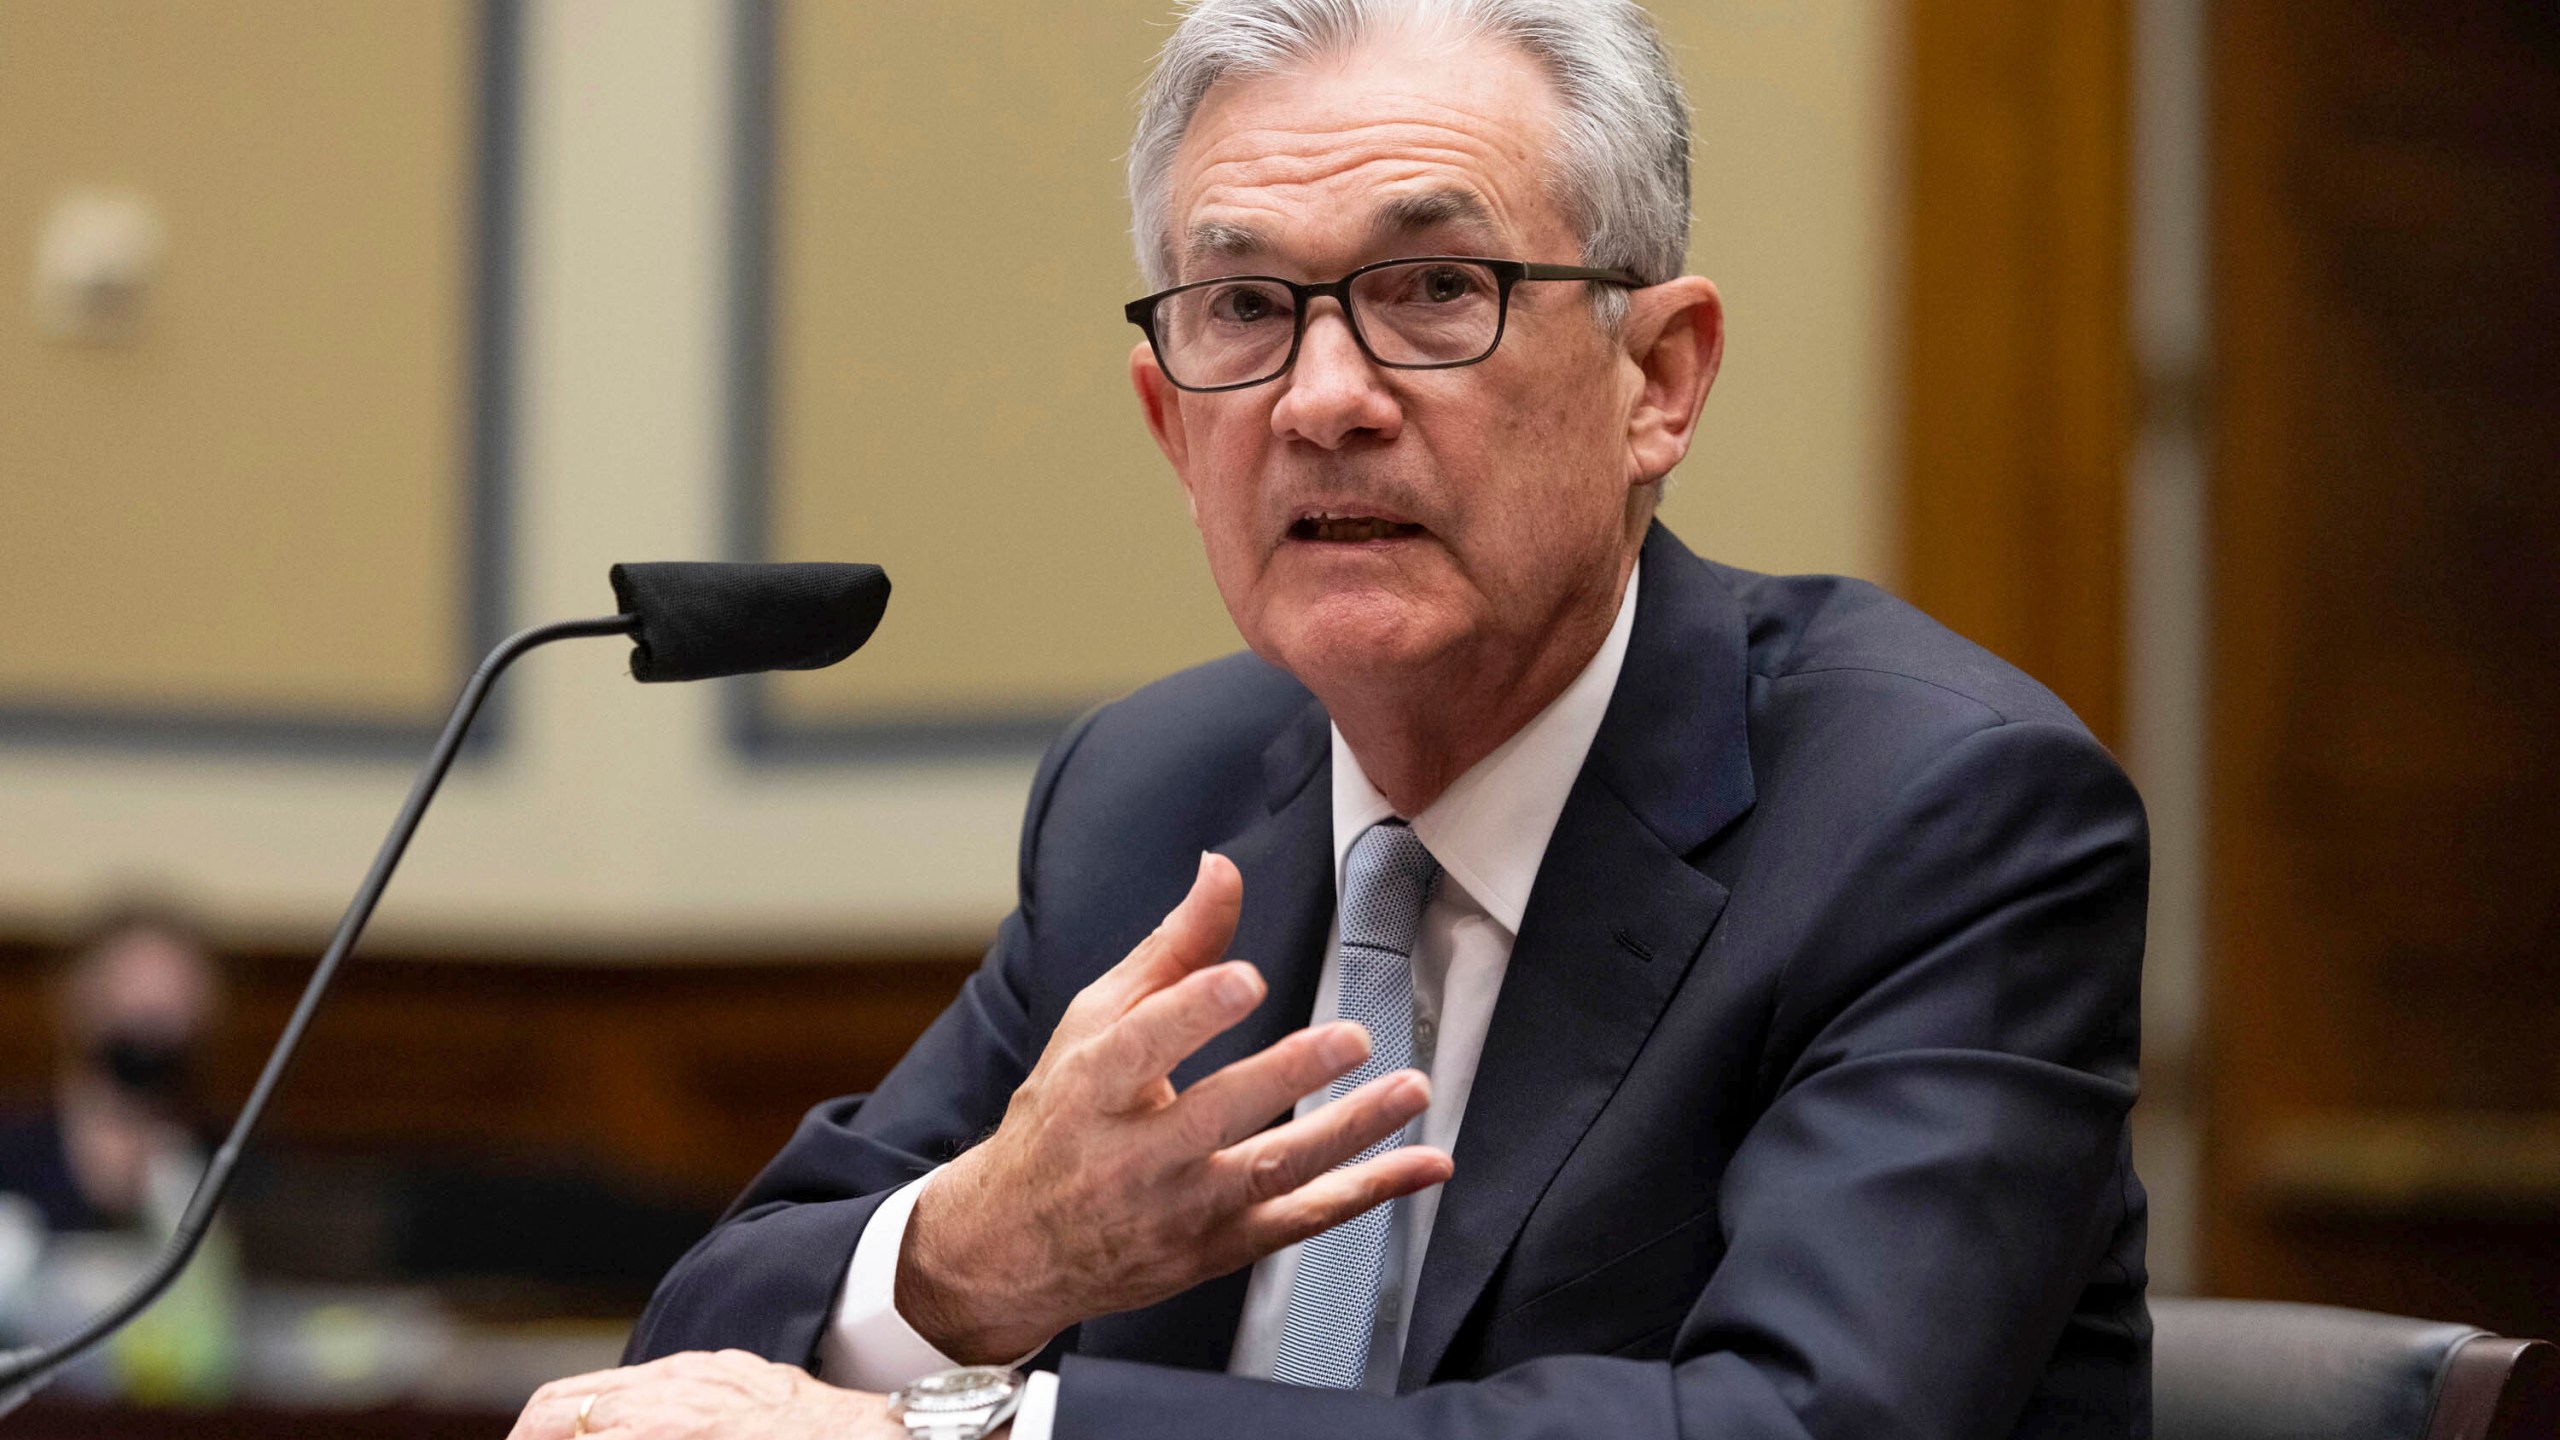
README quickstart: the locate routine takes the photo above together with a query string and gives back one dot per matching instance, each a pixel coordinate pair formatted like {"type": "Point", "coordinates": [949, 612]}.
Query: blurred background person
{"type": "Point", "coordinates": [104, 1172]}
{"type": "Point", "coordinates": [134, 1004]}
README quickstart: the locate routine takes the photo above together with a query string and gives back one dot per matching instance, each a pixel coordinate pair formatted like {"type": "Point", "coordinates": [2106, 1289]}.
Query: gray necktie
{"type": "Point", "coordinates": [1333, 1304]}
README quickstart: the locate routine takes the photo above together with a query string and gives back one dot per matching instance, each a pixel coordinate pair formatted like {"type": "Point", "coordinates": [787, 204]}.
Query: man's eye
{"type": "Point", "coordinates": [1442, 284]}
{"type": "Point", "coordinates": [1244, 305]}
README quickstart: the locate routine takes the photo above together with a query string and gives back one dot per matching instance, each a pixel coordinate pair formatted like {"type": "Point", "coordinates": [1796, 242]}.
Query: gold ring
{"type": "Point", "coordinates": [586, 1408]}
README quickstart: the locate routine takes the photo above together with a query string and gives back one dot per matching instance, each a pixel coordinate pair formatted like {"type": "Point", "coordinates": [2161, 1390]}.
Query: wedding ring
{"type": "Point", "coordinates": [586, 1408]}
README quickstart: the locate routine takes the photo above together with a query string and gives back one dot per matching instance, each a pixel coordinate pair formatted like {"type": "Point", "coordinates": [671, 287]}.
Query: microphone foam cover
{"type": "Point", "coordinates": [700, 620]}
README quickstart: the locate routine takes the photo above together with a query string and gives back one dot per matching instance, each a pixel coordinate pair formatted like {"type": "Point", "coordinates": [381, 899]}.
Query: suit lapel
{"type": "Point", "coordinates": [1287, 863]}
{"type": "Point", "coordinates": [1615, 921]}
{"type": "Point", "coordinates": [1286, 859]}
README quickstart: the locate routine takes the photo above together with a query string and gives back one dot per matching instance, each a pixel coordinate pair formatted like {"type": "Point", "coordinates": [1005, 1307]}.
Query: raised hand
{"type": "Point", "coordinates": [1104, 1190]}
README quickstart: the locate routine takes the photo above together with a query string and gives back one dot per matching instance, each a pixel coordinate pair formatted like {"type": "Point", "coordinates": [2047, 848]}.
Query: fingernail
{"type": "Point", "coordinates": [1203, 872]}
{"type": "Point", "coordinates": [1343, 1046]}
{"type": "Point", "coordinates": [1235, 990]}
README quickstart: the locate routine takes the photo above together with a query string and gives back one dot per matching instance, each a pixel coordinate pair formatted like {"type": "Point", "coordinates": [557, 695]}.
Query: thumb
{"type": "Point", "coordinates": [1194, 935]}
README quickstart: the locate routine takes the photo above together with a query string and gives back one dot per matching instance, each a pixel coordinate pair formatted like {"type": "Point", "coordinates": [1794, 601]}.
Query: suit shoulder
{"type": "Point", "coordinates": [1227, 709]}
{"type": "Point", "coordinates": [1178, 755]}
{"type": "Point", "coordinates": [1827, 633]}
{"type": "Point", "coordinates": [1141, 785]}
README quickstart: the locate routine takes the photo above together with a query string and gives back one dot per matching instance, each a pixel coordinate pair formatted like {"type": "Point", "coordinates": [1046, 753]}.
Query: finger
{"type": "Point", "coordinates": [1145, 1044]}
{"type": "Point", "coordinates": [553, 1410]}
{"type": "Point", "coordinates": [1276, 1162]}
{"type": "Point", "coordinates": [1195, 934]}
{"type": "Point", "coordinates": [1337, 1195]}
{"type": "Point", "coordinates": [552, 1413]}
{"type": "Point", "coordinates": [1244, 1097]}
{"type": "Point", "coordinates": [543, 1420]}
{"type": "Point", "coordinates": [592, 1380]}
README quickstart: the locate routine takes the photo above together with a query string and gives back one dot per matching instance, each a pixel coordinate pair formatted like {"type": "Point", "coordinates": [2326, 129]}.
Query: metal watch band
{"type": "Point", "coordinates": [971, 1424]}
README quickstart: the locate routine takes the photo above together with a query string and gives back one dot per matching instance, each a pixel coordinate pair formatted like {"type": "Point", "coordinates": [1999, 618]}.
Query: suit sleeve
{"type": "Point", "coordinates": [1934, 1179]}
{"type": "Point", "coordinates": [765, 1279]}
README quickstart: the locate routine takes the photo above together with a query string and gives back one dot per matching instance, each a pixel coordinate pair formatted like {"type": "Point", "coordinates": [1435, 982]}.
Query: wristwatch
{"type": "Point", "coordinates": [964, 1404]}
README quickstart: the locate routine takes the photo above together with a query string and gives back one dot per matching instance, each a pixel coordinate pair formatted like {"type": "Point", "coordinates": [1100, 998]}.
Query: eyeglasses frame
{"type": "Point", "coordinates": [1506, 274]}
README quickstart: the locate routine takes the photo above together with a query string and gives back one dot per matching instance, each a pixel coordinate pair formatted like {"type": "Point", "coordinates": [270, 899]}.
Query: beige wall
{"type": "Point", "coordinates": [1794, 217]}
{"type": "Point", "coordinates": [951, 375]}
{"type": "Point", "coordinates": [252, 504]}
{"type": "Point", "coordinates": [618, 814]}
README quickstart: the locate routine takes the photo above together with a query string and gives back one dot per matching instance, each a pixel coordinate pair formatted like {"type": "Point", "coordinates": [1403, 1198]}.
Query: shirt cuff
{"type": "Point", "coordinates": [1038, 1411]}
{"type": "Point", "coordinates": [870, 1346]}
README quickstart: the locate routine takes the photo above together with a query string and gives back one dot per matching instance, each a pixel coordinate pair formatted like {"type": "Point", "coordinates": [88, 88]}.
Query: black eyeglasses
{"type": "Point", "coordinates": [1430, 312]}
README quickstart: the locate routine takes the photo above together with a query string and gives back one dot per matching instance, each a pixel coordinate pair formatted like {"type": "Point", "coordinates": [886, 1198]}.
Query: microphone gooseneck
{"type": "Point", "coordinates": [690, 622]}
{"type": "Point", "coordinates": [23, 1372]}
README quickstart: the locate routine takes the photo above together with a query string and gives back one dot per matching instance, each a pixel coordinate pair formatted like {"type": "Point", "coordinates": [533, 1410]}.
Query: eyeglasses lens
{"type": "Point", "coordinates": [1432, 312]}
{"type": "Point", "coordinates": [1237, 332]}
{"type": "Point", "coordinates": [1226, 332]}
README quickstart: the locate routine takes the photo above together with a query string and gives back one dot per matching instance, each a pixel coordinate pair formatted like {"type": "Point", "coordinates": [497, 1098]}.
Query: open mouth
{"type": "Point", "coordinates": [1350, 529]}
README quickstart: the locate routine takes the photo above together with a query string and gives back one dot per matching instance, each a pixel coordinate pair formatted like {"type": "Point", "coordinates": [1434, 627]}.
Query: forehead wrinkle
{"type": "Point", "coordinates": [1260, 216]}
{"type": "Point", "coordinates": [1512, 107]}
{"type": "Point", "coordinates": [1304, 152]}
{"type": "Point", "coordinates": [1448, 206]}
{"type": "Point", "coordinates": [1264, 182]}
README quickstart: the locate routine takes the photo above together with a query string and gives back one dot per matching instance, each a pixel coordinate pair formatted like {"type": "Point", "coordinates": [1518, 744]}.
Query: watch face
{"type": "Point", "coordinates": [972, 1388]}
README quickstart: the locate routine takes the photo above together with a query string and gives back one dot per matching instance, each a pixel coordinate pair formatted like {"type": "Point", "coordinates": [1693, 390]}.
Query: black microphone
{"type": "Point", "coordinates": [699, 621]}
{"type": "Point", "coordinates": [688, 622]}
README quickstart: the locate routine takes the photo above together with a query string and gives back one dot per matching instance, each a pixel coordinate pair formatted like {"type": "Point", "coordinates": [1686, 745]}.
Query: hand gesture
{"type": "Point", "coordinates": [1105, 1190]}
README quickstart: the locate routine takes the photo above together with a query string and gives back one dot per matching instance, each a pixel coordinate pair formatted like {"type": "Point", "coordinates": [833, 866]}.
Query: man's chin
{"type": "Point", "coordinates": [1365, 638]}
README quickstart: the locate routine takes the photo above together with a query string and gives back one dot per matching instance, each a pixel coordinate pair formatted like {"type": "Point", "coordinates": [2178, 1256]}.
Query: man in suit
{"type": "Point", "coordinates": [1707, 1001]}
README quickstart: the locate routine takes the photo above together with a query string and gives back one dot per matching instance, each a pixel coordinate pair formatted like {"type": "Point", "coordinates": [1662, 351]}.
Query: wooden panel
{"type": "Point", "coordinates": [2017, 381]}
{"type": "Point", "coordinates": [259, 504]}
{"type": "Point", "coordinates": [2385, 990]}
{"type": "Point", "coordinates": [689, 1075]}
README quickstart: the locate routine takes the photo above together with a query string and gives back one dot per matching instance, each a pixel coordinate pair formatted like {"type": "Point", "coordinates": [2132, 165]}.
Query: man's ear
{"type": "Point", "coordinates": [1674, 334]}
{"type": "Point", "coordinates": [1162, 406]}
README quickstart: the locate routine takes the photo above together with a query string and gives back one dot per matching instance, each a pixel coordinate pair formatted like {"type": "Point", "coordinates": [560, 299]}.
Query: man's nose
{"type": "Point", "coordinates": [1334, 392]}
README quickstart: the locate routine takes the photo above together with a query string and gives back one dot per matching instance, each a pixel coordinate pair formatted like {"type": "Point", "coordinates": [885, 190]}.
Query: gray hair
{"type": "Point", "coordinates": [1623, 145]}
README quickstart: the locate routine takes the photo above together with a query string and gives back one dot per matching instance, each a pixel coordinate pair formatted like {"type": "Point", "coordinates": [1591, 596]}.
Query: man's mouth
{"type": "Point", "coordinates": [1333, 529]}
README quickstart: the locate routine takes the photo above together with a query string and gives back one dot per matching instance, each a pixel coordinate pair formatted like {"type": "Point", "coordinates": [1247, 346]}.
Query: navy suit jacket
{"type": "Point", "coordinates": [1803, 1107]}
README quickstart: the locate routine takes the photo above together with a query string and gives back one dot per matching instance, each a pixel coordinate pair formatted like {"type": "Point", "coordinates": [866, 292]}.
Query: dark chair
{"type": "Point", "coordinates": [2256, 1370]}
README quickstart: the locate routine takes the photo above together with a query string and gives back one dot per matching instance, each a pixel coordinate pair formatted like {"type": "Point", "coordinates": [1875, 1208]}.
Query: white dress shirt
{"type": "Point", "coordinates": [1489, 831]}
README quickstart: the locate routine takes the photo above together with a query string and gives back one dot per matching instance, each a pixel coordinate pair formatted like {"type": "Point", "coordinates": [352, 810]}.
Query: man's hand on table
{"type": "Point", "coordinates": [1103, 1190]}
{"type": "Point", "coordinates": [731, 1395]}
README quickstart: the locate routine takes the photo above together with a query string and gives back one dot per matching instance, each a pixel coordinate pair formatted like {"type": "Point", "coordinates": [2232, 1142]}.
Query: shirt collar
{"type": "Point", "coordinates": [1490, 828]}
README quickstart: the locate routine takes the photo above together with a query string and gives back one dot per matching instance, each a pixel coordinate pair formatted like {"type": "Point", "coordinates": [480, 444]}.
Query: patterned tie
{"type": "Point", "coordinates": [1333, 1305]}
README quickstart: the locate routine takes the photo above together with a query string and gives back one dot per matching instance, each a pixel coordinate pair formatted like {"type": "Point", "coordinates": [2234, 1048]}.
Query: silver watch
{"type": "Point", "coordinates": [964, 1404]}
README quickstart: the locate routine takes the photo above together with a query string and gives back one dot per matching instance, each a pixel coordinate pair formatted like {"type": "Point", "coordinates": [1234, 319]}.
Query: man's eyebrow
{"type": "Point", "coordinates": [1403, 216]}
{"type": "Point", "coordinates": [1430, 210]}
{"type": "Point", "coordinates": [1220, 240]}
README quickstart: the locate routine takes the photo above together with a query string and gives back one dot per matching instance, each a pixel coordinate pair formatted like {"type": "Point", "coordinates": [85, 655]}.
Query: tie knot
{"type": "Point", "coordinates": [1385, 885]}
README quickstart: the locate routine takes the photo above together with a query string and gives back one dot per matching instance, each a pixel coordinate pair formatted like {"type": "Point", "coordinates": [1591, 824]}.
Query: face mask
{"type": "Point", "coordinates": [152, 1066]}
